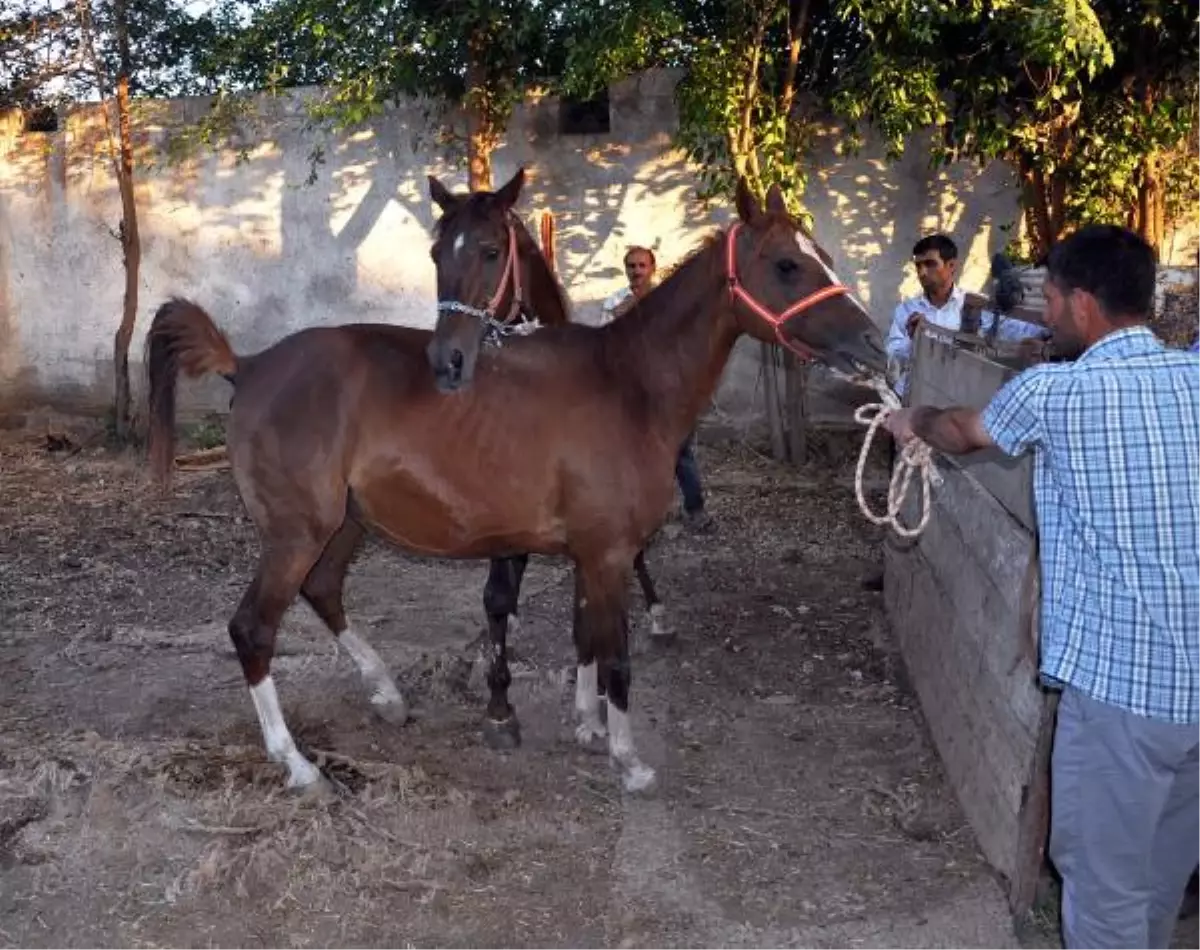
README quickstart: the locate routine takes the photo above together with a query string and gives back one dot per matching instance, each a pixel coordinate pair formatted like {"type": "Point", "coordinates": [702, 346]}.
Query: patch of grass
{"type": "Point", "coordinates": [1041, 926]}
{"type": "Point", "coordinates": [205, 435]}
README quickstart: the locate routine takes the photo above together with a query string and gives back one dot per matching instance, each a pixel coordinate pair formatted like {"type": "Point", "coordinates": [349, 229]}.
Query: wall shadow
{"type": "Point", "coordinates": [269, 248]}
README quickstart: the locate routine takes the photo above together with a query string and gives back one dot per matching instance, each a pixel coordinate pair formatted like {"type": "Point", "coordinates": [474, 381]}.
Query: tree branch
{"type": "Point", "coordinates": [797, 21]}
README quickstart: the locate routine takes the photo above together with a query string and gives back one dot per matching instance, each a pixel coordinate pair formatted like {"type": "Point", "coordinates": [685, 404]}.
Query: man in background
{"type": "Point", "coordinates": [941, 303]}
{"type": "Point", "coordinates": [640, 267]}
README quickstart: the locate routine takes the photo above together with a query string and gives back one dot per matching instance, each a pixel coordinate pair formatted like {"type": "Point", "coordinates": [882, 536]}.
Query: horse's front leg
{"type": "Point", "coordinates": [501, 728]}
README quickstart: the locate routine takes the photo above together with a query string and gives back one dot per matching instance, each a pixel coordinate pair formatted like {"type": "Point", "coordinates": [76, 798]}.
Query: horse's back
{"type": "Point", "coordinates": [303, 402]}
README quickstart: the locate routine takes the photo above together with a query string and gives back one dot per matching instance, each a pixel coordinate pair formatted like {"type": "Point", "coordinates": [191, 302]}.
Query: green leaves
{"type": "Point", "coordinates": [1082, 97]}
{"type": "Point", "coordinates": [43, 56]}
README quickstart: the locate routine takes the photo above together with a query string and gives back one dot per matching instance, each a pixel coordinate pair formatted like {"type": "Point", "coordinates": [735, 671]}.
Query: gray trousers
{"type": "Point", "coordinates": [1124, 825]}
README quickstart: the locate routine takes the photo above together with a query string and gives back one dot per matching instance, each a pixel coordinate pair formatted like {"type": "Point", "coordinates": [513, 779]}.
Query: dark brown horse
{"type": "Point", "coordinates": [564, 444]}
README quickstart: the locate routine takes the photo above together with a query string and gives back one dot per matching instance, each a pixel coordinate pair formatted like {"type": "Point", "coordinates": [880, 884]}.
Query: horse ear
{"type": "Point", "coordinates": [440, 195]}
{"type": "Point", "coordinates": [747, 205]}
{"type": "Point", "coordinates": [508, 195]}
{"type": "Point", "coordinates": [775, 202]}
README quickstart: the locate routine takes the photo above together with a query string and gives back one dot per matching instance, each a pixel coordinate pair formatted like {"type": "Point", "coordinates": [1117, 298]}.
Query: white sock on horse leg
{"type": "Point", "coordinates": [277, 738]}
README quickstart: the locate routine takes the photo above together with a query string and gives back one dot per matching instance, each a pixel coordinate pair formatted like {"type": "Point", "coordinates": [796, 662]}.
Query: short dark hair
{"type": "Point", "coordinates": [946, 249]}
{"type": "Point", "coordinates": [1111, 263]}
{"type": "Point", "coordinates": [637, 248]}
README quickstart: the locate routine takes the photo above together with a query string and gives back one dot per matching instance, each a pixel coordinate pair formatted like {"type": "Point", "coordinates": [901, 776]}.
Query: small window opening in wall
{"type": "Point", "coordinates": [584, 116]}
{"type": "Point", "coordinates": [41, 119]}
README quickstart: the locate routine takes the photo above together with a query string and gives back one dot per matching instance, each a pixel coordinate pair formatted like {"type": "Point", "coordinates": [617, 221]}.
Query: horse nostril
{"type": "Point", "coordinates": [456, 362]}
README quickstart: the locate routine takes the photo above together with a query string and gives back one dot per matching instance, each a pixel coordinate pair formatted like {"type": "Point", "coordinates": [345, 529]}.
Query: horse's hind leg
{"type": "Point", "coordinates": [602, 641]}
{"type": "Point", "coordinates": [323, 590]}
{"type": "Point", "coordinates": [501, 727]}
{"type": "Point", "coordinates": [281, 571]}
{"type": "Point", "coordinates": [654, 607]}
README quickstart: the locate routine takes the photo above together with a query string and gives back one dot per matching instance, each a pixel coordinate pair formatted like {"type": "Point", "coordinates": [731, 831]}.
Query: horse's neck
{"type": "Point", "coordinates": [542, 292]}
{"type": "Point", "coordinates": [678, 341]}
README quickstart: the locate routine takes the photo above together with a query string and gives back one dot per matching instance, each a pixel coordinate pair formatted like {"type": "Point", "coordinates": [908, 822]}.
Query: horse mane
{"type": "Point", "coordinates": [543, 279]}
{"type": "Point", "coordinates": [705, 242]}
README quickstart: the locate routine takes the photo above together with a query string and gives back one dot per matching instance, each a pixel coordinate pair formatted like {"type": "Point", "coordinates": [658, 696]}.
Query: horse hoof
{"type": "Point", "coordinates": [587, 732]}
{"type": "Point", "coordinates": [393, 711]}
{"type": "Point", "coordinates": [503, 735]}
{"type": "Point", "coordinates": [321, 790]}
{"type": "Point", "coordinates": [638, 778]}
{"type": "Point", "coordinates": [660, 631]}
{"type": "Point", "coordinates": [304, 777]}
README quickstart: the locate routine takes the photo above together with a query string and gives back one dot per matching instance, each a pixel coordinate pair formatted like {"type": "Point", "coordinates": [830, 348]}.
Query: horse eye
{"type": "Point", "coordinates": [491, 252]}
{"type": "Point", "coordinates": [786, 267]}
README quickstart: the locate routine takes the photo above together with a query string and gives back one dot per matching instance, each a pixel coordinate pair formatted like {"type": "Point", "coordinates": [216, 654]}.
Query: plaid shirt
{"type": "Point", "coordinates": [1117, 439]}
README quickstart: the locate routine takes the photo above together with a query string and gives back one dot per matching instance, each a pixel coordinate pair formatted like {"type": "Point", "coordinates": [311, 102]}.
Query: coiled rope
{"type": "Point", "coordinates": [916, 458]}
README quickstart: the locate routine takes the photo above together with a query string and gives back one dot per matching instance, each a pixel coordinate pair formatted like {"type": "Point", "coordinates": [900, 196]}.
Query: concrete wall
{"type": "Point", "coordinates": [268, 251]}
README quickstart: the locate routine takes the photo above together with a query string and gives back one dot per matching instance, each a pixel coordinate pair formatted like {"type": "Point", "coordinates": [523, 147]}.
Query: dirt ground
{"type": "Point", "coordinates": [800, 801]}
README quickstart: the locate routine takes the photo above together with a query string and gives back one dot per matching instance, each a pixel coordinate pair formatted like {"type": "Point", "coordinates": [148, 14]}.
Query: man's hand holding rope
{"type": "Point", "coordinates": [919, 431]}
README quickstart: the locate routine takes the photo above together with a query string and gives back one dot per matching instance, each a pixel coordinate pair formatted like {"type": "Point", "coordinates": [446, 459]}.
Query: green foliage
{"type": "Point", "coordinates": [713, 102]}
{"type": "Point", "coordinates": [743, 108]}
{"type": "Point", "coordinates": [481, 54]}
{"type": "Point", "coordinates": [991, 77]}
{"type": "Point", "coordinates": [604, 41]}
{"type": "Point", "coordinates": [1113, 144]}
{"type": "Point", "coordinates": [1092, 102]}
{"type": "Point", "coordinates": [44, 60]}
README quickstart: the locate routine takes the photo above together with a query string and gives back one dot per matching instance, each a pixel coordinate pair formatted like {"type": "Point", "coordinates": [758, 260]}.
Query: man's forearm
{"type": "Point", "coordinates": [953, 431]}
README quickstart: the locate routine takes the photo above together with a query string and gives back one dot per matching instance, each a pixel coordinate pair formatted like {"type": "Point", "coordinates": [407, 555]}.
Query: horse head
{"type": "Point", "coordinates": [785, 290]}
{"type": "Point", "coordinates": [492, 280]}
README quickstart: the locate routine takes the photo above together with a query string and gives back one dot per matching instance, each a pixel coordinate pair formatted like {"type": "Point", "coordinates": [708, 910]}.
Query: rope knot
{"type": "Point", "coordinates": [915, 458]}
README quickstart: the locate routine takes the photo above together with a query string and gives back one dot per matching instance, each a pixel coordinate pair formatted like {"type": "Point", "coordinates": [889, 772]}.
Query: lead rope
{"type": "Point", "coordinates": [914, 458]}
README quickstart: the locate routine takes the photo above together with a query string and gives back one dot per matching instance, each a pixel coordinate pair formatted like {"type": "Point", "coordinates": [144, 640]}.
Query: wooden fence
{"type": "Point", "coordinates": [962, 602]}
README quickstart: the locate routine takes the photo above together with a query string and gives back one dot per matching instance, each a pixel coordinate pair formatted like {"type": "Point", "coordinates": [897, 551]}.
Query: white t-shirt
{"type": "Point", "coordinates": [949, 316]}
{"type": "Point", "coordinates": [609, 307]}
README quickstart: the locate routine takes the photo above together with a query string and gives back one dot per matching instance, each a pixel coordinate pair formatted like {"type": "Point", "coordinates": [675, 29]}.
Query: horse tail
{"type": "Point", "coordinates": [181, 337]}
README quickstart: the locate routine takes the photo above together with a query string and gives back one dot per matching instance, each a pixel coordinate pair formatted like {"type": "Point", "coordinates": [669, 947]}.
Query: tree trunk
{"type": "Point", "coordinates": [771, 400]}
{"type": "Point", "coordinates": [797, 19]}
{"type": "Point", "coordinates": [131, 244]}
{"type": "Point", "coordinates": [796, 401]}
{"type": "Point", "coordinates": [1035, 201]}
{"type": "Point", "coordinates": [479, 153]}
{"type": "Point", "coordinates": [480, 134]}
{"type": "Point", "coordinates": [742, 151]}
{"type": "Point", "coordinates": [1150, 214]}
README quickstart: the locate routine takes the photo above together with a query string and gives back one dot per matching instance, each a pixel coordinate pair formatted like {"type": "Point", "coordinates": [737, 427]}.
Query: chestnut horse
{"type": "Point", "coordinates": [563, 445]}
{"type": "Point", "coordinates": [630, 392]}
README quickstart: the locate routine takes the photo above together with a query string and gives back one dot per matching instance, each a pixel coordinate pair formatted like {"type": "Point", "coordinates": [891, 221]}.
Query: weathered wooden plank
{"type": "Point", "coordinates": [1030, 312]}
{"type": "Point", "coordinates": [980, 556]}
{"type": "Point", "coordinates": [962, 600]}
{"type": "Point", "coordinates": [983, 530]}
{"type": "Point", "coordinates": [956, 598]}
{"type": "Point", "coordinates": [943, 375]}
{"type": "Point", "coordinates": [933, 656]}
{"type": "Point", "coordinates": [1034, 831]}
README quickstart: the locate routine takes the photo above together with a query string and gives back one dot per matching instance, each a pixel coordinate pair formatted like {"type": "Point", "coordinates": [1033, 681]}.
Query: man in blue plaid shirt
{"type": "Point", "coordinates": [1116, 441]}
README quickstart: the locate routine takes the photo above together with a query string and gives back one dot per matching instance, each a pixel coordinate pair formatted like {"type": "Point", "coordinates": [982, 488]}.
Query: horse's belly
{"type": "Point", "coordinates": [443, 520]}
